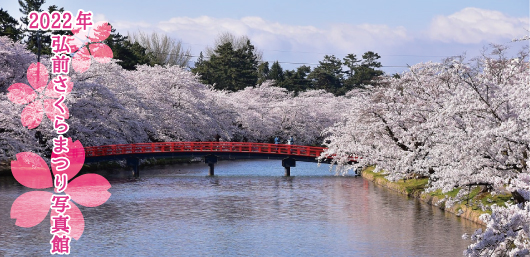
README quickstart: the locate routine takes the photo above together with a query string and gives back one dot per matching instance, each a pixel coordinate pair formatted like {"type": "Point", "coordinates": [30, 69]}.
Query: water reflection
{"type": "Point", "coordinates": [237, 213]}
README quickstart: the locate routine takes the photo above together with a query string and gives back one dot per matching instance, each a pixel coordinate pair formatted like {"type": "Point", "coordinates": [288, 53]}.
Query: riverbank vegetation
{"type": "Point", "coordinates": [461, 126]}
{"type": "Point", "coordinates": [472, 202]}
{"type": "Point", "coordinates": [457, 130]}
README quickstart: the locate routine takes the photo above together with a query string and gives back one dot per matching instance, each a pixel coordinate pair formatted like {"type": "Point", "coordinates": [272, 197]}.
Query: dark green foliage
{"type": "Point", "coordinates": [332, 74]}
{"type": "Point", "coordinates": [276, 72]}
{"type": "Point", "coordinates": [297, 81]}
{"type": "Point", "coordinates": [27, 6]}
{"type": "Point", "coordinates": [328, 75]}
{"type": "Point", "coordinates": [292, 80]}
{"type": "Point", "coordinates": [231, 68]}
{"type": "Point", "coordinates": [31, 38]}
{"type": "Point", "coordinates": [263, 72]}
{"type": "Point", "coordinates": [228, 68]}
{"type": "Point", "coordinates": [367, 70]}
{"type": "Point", "coordinates": [9, 26]}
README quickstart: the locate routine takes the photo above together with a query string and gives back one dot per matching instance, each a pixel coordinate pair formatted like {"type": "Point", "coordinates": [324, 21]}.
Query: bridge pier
{"type": "Point", "coordinates": [287, 163]}
{"type": "Point", "coordinates": [134, 162]}
{"type": "Point", "coordinates": [211, 160]}
{"type": "Point", "coordinates": [211, 170]}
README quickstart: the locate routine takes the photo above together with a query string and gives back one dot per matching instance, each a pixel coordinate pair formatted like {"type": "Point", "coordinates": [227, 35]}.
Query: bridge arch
{"type": "Point", "coordinates": [229, 150]}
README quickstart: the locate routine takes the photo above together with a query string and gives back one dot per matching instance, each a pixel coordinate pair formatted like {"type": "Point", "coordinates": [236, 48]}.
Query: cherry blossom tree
{"type": "Point", "coordinates": [456, 123]}
{"type": "Point", "coordinates": [14, 62]}
{"type": "Point", "coordinates": [266, 111]}
{"type": "Point", "coordinates": [459, 124]}
{"type": "Point", "coordinates": [14, 138]}
{"type": "Point", "coordinates": [508, 228]}
{"type": "Point", "coordinates": [99, 116]}
{"type": "Point", "coordinates": [178, 107]}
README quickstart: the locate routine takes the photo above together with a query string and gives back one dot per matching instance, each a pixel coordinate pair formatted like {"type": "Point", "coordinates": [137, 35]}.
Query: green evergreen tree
{"type": "Point", "coordinates": [263, 72]}
{"type": "Point", "coordinates": [9, 26]}
{"type": "Point", "coordinates": [352, 64]}
{"type": "Point", "coordinates": [328, 75]}
{"type": "Point", "coordinates": [297, 81]}
{"type": "Point", "coordinates": [370, 60]}
{"type": "Point", "coordinates": [30, 37]}
{"type": "Point", "coordinates": [228, 68]}
{"type": "Point", "coordinates": [366, 72]}
{"type": "Point", "coordinates": [350, 61]}
{"type": "Point", "coordinates": [276, 73]}
{"type": "Point", "coordinates": [248, 66]}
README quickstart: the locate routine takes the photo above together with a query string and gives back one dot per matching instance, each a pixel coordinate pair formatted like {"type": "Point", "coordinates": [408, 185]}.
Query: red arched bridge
{"type": "Point", "coordinates": [209, 150]}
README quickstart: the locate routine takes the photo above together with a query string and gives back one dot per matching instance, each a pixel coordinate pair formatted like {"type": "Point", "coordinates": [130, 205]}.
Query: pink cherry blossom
{"type": "Point", "coordinates": [85, 43]}
{"type": "Point", "coordinates": [41, 98]}
{"type": "Point", "coordinates": [30, 170]}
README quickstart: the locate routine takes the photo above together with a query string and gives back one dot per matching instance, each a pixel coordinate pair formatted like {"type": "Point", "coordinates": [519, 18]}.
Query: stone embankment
{"type": "Point", "coordinates": [460, 210]}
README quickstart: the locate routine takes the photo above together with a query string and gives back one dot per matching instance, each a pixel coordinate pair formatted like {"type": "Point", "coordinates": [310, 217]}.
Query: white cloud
{"type": "Point", "coordinates": [99, 17]}
{"type": "Point", "coordinates": [276, 36]}
{"type": "Point", "coordinates": [474, 25]}
{"type": "Point", "coordinates": [454, 34]}
{"type": "Point", "coordinates": [127, 25]}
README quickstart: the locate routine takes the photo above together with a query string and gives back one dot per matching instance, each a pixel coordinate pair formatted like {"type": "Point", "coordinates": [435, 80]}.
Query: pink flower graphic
{"type": "Point", "coordinates": [31, 208]}
{"type": "Point", "coordinates": [21, 93]}
{"type": "Point", "coordinates": [90, 38]}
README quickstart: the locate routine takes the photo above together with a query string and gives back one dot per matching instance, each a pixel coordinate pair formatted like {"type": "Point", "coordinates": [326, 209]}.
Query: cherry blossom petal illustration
{"type": "Point", "coordinates": [32, 114]}
{"type": "Point", "coordinates": [99, 32]}
{"type": "Point", "coordinates": [52, 111]}
{"type": "Point", "coordinates": [75, 43]}
{"type": "Point", "coordinates": [50, 91]}
{"type": "Point", "coordinates": [81, 60]}
{"type": "Point", "coordinates": [38, 76]}
{"type": "Point", "coordinates": [76, 221]}
{"type": "Point", "coordinates": [76, 156]}
{"type": "Point", "coordinates": [31, 171]}
{"type": "Point", "coordinates": [101, 52]}
{"type": "Point", "coordinates": [78, 40]}
{"type": "Point", "coordinates": [89, 190]}
{"type": "Point", "coordinates": [31, 208]}
{"type": "Point", "coordinates": [21, 93]}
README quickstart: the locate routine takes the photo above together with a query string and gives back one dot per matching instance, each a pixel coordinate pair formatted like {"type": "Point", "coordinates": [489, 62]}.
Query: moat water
{"type": "Point", "coordinates": [247, 209]}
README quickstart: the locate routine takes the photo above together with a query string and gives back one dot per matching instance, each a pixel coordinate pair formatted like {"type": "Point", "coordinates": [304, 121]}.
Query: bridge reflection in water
{"type": "Point", "coordinates": [210, 151]}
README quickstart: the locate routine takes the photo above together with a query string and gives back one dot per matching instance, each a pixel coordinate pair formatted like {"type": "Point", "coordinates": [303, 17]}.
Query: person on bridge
{"type": "Point", "coordinates": [276, 140]}
{"type": "Point", "coordinates": [290, 140]}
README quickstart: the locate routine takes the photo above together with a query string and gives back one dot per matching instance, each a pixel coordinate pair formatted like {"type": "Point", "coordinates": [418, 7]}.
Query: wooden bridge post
{"type": "Point", "coordinates": [211, 170]}
{"type": "Point", "coordinates": [287, 163]}
{"type": "Point", "coordinates": [211, 160]}
{"type": "Point", "coordinates": [134, 162]}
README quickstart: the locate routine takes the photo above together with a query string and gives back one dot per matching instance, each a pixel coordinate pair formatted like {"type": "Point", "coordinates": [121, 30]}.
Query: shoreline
{"type": "Point", "coordinates": [5, 167]}
{"type": "Point", "coordinates": [460, 210]}
{"type": "Point", "coordinates": [412, 188]}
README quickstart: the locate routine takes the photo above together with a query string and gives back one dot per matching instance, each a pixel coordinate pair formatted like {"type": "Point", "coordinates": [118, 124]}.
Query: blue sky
{"type": "Point", "coordinates": [402, 32]}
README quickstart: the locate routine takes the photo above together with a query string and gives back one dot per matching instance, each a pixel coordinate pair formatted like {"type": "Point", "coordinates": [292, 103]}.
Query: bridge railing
{"type": "Point", "coordinates": [235, 147]}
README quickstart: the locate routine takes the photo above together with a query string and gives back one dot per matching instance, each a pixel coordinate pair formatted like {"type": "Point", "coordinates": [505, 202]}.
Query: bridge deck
{"type": "Point", "coordinates": [255, 150]}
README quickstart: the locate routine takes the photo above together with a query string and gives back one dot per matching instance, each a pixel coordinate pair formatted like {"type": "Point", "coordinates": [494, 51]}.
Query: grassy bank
{"type": "Point", "coordinates": [475, 203]}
